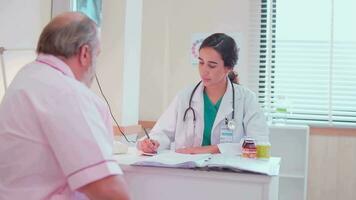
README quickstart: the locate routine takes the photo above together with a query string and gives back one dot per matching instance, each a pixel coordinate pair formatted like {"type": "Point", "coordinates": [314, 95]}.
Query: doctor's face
{"type": "Point", "coordinates": [211, 67]}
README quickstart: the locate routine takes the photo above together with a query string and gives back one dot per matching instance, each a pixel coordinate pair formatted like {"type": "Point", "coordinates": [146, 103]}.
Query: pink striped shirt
{"type": "Point", "coordinates": [55, 134]}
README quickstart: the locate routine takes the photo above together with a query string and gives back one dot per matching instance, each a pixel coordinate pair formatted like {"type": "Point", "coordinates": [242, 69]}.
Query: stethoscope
{"type": "Point", "coordinates": [231, 124]}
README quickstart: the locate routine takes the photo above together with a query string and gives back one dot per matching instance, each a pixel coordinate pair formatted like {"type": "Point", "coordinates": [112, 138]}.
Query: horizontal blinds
{"type": "Point", "coordinates": [306, 80]}
{"type": "Point", "coordinates": [301, 77]}
{"type": "Point", "coordinates": [343, 78]}
{"type": "Point", "coordinates": [254, 42]}
{"type": "Point", "coordinates": [265, 51]}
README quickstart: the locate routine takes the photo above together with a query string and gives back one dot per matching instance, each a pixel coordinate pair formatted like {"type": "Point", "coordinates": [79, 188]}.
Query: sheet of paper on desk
{"type": "Point", "coordinates": [212, 161]}
{"type": "Point", "coordinates": [237, 163]}
{"type": "Point", "coordinates": [175, 160]}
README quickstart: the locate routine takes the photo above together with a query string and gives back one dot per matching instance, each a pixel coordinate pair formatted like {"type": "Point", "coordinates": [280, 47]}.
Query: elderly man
{"type": "Point", "coordinates": [55, 134]}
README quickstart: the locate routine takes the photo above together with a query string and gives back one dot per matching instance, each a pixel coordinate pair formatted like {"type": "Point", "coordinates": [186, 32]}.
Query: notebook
{"type": "Point", "coordinates": [212, 162]}
{"type": "Point", "coordinates": [175, 160]}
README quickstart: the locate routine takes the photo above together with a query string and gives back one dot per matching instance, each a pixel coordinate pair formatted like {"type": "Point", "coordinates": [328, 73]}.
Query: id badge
{"type": "Point", "coordinates": [226, 135]}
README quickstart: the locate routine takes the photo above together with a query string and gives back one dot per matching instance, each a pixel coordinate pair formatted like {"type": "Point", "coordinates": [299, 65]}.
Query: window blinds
{"type": "Point", "coordinates": [307, 61]}
{"type": "Point", "coordinates": [262, 49]}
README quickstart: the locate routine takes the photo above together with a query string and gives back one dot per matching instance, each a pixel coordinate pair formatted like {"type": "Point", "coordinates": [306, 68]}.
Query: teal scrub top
{"type": "Point", "coordinates": [210, 111]}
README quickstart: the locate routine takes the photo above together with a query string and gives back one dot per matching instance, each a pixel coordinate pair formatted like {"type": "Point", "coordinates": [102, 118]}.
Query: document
{"type": "Point", "coordinates": [237, 163]}
{"type": "Point", "coordinates": [175, 160]}
{"type": "Point", "coordinates": [213, 162]}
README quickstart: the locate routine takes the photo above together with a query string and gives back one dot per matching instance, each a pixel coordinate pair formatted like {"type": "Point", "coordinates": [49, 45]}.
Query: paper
{"type": "Point", "coordinates": [173, 159]}
{"type": "Point", "coordinates": [238, 163]}
{"type": "Point", "coordinates": [213, 161]}
{"type": "Point", "coordinates": [119, 148]}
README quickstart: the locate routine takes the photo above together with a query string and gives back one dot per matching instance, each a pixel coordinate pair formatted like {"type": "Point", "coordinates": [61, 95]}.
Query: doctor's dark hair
{"type": "Point", "coordinates": [64, 39]}
{"type": "Point", "coordinates": [225, 46]}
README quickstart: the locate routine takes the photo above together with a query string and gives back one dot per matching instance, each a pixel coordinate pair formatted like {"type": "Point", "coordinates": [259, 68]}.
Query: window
{"type": "Point", "coordinates": [92, 8]}
{"type": "Point", "coordinates": [307, 61]}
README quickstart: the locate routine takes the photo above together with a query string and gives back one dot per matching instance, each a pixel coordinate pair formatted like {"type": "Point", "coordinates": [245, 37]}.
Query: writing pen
{"type": "Point", "coordinates": [148, 137]}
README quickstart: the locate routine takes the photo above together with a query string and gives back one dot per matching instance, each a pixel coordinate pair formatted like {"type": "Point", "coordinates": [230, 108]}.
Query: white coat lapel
{"type": "Point", "coordinates": [198, 101]}
{"type": "Point", "coordinates": [225, 107]}
{"type": "Point", "coordinates": [198, 105]}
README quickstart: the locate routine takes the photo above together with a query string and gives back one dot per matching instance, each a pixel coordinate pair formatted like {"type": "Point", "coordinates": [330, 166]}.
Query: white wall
{"type": "Point", "coordinates": [119, 61]}
{"type": "Point", "coordinates": [167, 28]}
{"type": "Point", "coordinates": [21, 23]}
{"type": "Point", "coordinates": [111, 60]}
{"type": "Point", "coordinates": [132, 61]}
{"type": "Point", "coordinates": [59, 6]}
{"type": "Point", "coordinates": [166, 31]}
{"type": "Point", "coordinates": [166, 36]}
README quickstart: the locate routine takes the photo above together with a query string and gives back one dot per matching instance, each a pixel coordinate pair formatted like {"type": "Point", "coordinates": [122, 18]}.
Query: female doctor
{"type": "Point", "coordinates": [214, 115]}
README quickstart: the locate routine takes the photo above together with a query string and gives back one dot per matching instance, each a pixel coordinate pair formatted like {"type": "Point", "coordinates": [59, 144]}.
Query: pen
{"type": "Point", "coordinates": [148, 137]}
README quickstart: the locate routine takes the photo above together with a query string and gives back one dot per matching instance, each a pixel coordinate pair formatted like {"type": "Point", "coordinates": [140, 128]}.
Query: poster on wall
{"type": "Point", "coordinates": [197, 39]}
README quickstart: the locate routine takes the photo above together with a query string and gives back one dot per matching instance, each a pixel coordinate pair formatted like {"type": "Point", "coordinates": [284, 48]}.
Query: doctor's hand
{"type": "Point", "coordinates": [148, 145]}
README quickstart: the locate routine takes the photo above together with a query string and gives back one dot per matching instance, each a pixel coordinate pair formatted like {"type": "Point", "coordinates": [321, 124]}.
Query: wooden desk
{"type": "Point", "coordinates": [152, 183]}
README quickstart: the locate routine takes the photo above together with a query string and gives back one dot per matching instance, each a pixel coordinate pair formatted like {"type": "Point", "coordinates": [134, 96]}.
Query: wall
{"type": "Point", "coordinates": [166, 38]}
{"type": "Point", "coordinates": [332, 164]}
{"type": "Point", "coordinates": [60, 6]}
{"type": "Point", "coordinates": [111, 60]}
{"type": "Point", "coordinates": [119, 63]}
{"type": "Point", "coordinates": [21, 23]}
{"type": "Point", "coordinates": [132, 63]}
{"type": "Point", "coordinates": [110, 63]}
{"type": "Point", "coordinates": [166, 69]}
{"type": "Point", "coordinates": [20, 35]}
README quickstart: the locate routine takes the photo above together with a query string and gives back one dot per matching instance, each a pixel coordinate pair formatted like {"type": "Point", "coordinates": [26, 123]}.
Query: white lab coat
{"type": "Point", "coordinates": [249, 119]}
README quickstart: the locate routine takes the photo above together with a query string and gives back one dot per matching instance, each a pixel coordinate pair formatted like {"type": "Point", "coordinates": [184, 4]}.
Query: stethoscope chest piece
{"type": "Point", "coordinates": [231, 125]}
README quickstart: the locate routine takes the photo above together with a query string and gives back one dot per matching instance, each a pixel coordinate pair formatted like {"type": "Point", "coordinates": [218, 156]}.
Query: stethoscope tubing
{"type": "Point", "coordinates": [193, 111]}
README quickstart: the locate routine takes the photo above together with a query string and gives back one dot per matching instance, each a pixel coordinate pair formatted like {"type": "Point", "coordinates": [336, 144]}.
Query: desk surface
{"type": "Point", "coordinates": [147, 183]}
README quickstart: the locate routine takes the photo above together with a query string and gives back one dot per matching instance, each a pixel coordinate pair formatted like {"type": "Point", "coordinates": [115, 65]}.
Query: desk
{"type": "Point", "coordinates": [152, 183]}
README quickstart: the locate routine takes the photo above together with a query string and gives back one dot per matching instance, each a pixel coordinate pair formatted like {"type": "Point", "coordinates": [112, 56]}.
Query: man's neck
{"type": "Point", "coordinates": [73, 64]}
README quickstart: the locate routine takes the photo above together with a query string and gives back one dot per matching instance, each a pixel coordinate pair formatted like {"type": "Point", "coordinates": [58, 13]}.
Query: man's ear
{"type": "Point", "coordinates": [84, 55]}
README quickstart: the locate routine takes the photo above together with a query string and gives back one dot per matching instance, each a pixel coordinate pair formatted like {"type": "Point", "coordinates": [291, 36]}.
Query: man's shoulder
{"type": "Point", "coordinates": [39, 75]}
{"type": "Point", "coordinates": [40, 81]}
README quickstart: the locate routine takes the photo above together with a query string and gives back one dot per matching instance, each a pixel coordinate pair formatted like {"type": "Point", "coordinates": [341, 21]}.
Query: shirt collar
{"type": "Point", "coordinates": [56, 63]}
{"type": "Point", "coordinates": [228, 93]}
